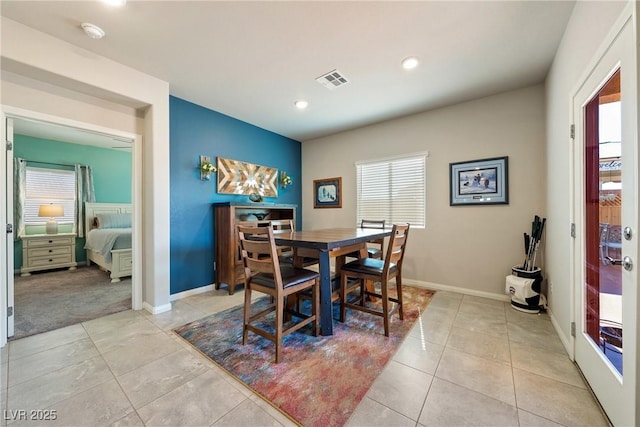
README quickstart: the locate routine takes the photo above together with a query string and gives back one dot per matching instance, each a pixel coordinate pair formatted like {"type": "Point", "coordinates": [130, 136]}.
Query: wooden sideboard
{"type": "Point", "coordinates": [228, 265]}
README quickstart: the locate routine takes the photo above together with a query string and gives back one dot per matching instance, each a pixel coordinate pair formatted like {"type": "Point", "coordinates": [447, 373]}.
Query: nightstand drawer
{"type": "Point", "coordinates": [51, 251]}
{"type": "Point", "coordinates": [49, 261]}
{"type": "Point", "coordinates": [48, 241]}
{"type": "Point", "coordinates": [45, 252]}
{"type": "Point", "coordinates": [126, 261]}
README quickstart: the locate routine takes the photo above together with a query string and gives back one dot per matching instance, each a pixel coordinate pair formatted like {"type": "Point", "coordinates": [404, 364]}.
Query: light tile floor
{"type": "Point", "coordinates": [468, 361]}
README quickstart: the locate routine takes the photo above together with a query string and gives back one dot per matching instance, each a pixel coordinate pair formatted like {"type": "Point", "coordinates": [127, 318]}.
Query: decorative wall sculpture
{"type": "Point", "coordinates": [236, 177]}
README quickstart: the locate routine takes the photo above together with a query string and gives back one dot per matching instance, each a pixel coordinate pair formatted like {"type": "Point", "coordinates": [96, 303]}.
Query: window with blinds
{"type": "Point", "coordinates": [49, 186]}
{"type": "Point", "coordinates": [393, 190]}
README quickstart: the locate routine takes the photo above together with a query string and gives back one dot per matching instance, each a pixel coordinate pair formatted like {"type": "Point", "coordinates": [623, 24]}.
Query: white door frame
{"type": "Point", "coordinates": [616, 394]}
{"type": "Point", "coordinates": [6, 239]}
{"type": "Point", "coordinates": [136, 197]}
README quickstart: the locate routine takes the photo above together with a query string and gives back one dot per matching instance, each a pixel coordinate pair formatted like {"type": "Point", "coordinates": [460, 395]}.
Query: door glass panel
{"type": "Point", "coordinates": [603, 168]}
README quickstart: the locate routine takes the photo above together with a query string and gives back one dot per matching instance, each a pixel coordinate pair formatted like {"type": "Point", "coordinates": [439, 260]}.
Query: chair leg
{"type": "Point", "coordinates": [343, 296]}
{"type": "Point", "coordinates": [371, 287]}
{"type": "Point", "coordinates": [363, 293]}
{"type": "Point", "coordinates": [385, 307]}
{"type": "Point", "coordinates": [399, 291]}
{"type": "Point", "coordinates": [316, 308]}
{"type": "Point", "coordinates": [279, 321]}
{"type": "Point", "coordinates": [247, 311]}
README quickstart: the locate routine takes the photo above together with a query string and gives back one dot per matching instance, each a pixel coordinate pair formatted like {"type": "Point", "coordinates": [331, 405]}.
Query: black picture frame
{"type": "Point", "coordinates": [479, 182]}
{"type": "Point", "coordinates": [327, 193]}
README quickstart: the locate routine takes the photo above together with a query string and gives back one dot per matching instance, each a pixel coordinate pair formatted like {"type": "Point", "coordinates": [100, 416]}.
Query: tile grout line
{"type": "Point", "coordinates": [513, 378]}
{"type": "Point", "coordinates": [435, 371]}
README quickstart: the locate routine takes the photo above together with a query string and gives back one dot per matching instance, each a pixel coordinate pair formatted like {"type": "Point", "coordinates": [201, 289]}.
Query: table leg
{"type": "Point", "coordinates": [326, 312]}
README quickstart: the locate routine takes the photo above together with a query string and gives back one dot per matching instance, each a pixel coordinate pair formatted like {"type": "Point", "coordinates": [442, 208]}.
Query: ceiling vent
{"type": "Point", "coordinates": [333, 79]}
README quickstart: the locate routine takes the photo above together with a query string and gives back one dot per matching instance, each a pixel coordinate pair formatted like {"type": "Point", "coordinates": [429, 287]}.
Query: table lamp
{"type": "Point", "coordinates": [52, 211]}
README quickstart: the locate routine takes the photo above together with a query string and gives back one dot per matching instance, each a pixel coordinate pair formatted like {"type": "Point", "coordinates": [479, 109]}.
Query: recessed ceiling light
{"type": "Point", "coordinates": [116, 3]}
{"type": "Point", "coordinates": [92, 31]}
{"type": "Point", "coordinates": [410, 63]}
{"type": "Point", "coordinates": [301, 104]}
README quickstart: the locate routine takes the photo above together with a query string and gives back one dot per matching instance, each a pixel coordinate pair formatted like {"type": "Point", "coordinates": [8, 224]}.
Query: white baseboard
{"type": "Point", "coordinates": [456, 289]}
{"type": "Point", "coordinates": [190, 292]}
{"type": "Point", "coordinates": [156, 310]}
{"type": "Point", "coordinates": [167, 307]}
{"type": "Point", "coordinates": [566, 341]}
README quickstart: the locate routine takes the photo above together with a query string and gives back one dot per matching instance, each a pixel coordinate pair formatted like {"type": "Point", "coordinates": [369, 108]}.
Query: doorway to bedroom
{"type": "Point", "coordinates": [55, 285]}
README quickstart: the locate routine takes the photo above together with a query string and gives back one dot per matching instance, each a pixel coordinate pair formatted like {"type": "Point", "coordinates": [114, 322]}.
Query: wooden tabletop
{"type": "Point", "coordinates": [329, 238]}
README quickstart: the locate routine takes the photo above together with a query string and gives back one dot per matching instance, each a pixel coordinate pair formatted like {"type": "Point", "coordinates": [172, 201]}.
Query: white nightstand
{"type": "Point", "coordinates": [47, 251]}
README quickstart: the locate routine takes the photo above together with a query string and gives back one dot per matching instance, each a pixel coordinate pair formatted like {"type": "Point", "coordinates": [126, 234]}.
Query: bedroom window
{"type": "Point", "coordinates": [392, 189]}
{"type": "Point", "coordinates": [45, 186]}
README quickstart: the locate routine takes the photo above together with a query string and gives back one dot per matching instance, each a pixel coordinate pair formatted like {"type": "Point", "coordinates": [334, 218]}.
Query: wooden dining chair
{"type": "Point", "coordinates": [288, 254]}
{"type": "Point", "coordinates": [285, 253]}
{"type": "Point", "coordinates": [263, 273]}
{"type": "Point", "coordinates": [375, 247]}
{"type": "Point", "coordinates": [376, 270]}
{"type": "Point", "coordinates": [375, 251]}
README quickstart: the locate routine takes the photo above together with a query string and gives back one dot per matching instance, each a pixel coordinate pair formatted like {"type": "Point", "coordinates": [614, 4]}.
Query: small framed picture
{"type": "Point", "coordinates": [327, 193]}
{"type": "Point", "coordinates": [479, 182]}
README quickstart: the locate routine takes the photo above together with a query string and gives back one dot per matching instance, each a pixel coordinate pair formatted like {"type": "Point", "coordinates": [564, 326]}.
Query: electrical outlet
{"type": "Point", "coordinates": [550, 286]}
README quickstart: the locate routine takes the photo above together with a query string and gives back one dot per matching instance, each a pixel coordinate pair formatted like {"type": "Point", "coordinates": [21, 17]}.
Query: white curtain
{"type": "Point", "coordinates": [84, 193]}
{"type": "Point", "coordinates": [19, 195]}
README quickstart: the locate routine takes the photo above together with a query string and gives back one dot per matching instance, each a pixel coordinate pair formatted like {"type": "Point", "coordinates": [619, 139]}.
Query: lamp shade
{"type": "Point", "coordinates": [51, 211]}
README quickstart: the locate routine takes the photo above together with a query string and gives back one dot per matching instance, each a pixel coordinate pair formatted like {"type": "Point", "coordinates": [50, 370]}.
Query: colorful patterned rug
{"type": "Point", "coordinates": [320, 380]}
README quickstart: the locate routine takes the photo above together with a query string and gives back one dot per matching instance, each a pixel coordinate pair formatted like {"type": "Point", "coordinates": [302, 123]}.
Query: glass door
{"type": "Point", "coordinates": [605, 176]}
{"type": "Point", "coordinates": [603, 208]}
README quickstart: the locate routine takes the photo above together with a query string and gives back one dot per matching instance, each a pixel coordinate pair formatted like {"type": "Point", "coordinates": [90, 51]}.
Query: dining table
{"type": "Point", "coordinates": [326, 244]}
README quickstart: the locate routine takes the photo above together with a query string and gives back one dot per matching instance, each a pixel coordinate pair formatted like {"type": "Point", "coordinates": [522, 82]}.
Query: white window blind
{"type": "Point", "coordinates": [49, 186]}
{"type": "Point", "coordinates": [393, 190]}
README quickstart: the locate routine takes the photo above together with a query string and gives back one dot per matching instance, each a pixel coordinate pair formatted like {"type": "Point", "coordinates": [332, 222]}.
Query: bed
{"type": "Point", "coordinates": [108, 238]}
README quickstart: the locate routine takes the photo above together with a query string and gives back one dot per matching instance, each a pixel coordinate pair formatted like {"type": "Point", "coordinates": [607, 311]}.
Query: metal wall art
{"type": "Point", "coordinates": [236, 177]}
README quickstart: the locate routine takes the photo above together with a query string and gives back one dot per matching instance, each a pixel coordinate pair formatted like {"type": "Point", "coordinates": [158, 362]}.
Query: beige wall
{"type": "Point", "coordinates": [471, 247]}
{"type": "Point", "coordinates": [589, 25]}
{"type": "Point", "coordinates": [132, 101]}
{"type": "Point", "coordinates": [32, 95]}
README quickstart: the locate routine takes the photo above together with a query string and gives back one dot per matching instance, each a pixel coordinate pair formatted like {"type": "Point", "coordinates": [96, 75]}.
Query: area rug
{"type": "Point", "coordinates": [51, 300]}
{"type": "Point", "coordinates": [319, 380]}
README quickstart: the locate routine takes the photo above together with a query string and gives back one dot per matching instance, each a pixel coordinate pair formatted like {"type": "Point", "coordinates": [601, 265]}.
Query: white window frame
{"type": "Point", "coordinates": [54, 194]}
{"type": "Point", "coordinates": [381, 189]}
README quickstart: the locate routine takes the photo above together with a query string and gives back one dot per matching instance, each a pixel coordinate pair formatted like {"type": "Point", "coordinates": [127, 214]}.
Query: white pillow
{"type": "Point", "coordinates": [113, 220]}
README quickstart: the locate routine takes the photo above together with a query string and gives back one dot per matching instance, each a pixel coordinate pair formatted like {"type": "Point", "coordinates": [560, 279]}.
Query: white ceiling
{"type": "Point", "coordinates": [252, 60]}
{"type": "Point", "coordinates": [55, 132]}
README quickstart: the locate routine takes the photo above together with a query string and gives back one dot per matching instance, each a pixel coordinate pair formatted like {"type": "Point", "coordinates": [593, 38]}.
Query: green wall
{"type": "Point", "coordinates": [111, 175]}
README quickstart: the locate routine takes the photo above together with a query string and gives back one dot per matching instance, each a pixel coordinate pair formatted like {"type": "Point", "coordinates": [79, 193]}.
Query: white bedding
{"type": "Point", "coordinates": [103, 240]}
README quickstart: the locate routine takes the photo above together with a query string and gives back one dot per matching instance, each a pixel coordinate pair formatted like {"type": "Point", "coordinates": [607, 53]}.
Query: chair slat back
{"type": "Point", "coordinates": [282, 224]}
{"type": "Point", "coordinates": [397, 245]}
{"type": "Point", "coordinates": [372, 223]}
{"type": "Point", "coordinates": [259, 252]}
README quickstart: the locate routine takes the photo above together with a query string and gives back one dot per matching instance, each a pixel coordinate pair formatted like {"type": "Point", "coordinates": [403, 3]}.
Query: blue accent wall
{"type": "Point", "coordinates": [196, 131]}
{"type": "Point", "coordinates": [111, 175]}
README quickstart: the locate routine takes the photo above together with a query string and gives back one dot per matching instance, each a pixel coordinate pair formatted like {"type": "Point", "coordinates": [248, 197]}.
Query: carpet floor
{"type": "Point", "coordinates": [51, 300]}
{"type": "Point", "coordinates": [320, 380]}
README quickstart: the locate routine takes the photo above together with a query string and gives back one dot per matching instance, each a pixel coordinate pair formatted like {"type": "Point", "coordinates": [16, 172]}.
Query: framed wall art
{"type": "Point", "coordinates": [327, 193]}
{"type": "Point", "coordinates": [479, 182]}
